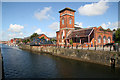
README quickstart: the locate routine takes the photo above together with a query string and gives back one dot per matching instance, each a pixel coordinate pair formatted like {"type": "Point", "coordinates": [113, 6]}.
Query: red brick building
{"type": "Point", "coordinates": [89, 36]}
{"type": "Point", "coordinates": [43, 35]}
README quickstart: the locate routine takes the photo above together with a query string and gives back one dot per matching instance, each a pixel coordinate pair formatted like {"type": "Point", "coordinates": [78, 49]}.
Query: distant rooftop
{"type": "Point", "coordinates": [67, 8]}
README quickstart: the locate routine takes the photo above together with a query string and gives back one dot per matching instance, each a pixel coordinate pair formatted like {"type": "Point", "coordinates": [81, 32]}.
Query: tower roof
{"type": "Point", "coordinates": [67, 8]}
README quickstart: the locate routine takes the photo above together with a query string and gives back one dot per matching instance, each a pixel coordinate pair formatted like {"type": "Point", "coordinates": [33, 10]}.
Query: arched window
{"type": "Point", "coordinates": [99, 39]}
{"type": "Point", "coordinates": [62, 21]}
{"type": "Point", "coordinates": [104, 39]}
{"type": "Point", "coordinates": [109, 39]}
{"type": "Point", "coordinates": [70, 21]}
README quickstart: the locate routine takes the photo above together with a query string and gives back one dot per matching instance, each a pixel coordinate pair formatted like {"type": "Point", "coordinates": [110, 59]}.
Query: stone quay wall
{"type": "Point", "coordinates": [93, 56]}
{"type": "Point", "coordinates": [1, 66]}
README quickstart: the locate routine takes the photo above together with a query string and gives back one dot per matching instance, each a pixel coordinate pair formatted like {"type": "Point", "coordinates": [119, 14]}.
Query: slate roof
{"type": "Point", "coordinates": [84, 32]}
{"type": "Point", "coordinates": [37, 41]}
{"type": "Point", "coordinates": [67, 8]}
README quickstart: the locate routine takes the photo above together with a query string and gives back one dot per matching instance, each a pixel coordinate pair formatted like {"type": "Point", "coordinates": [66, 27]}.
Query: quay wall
{"type": "Point", "coordinates": [93, 56]}
{"type": "Point", "coordinates": [1, 66]}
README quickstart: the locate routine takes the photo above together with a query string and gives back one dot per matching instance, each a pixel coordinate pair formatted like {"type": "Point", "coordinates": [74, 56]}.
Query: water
{"type": "Point", "coordinates": [24, 64]}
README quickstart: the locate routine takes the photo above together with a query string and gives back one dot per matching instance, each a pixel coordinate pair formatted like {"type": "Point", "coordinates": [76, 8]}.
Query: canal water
{"type": "Point", "coordinates": [24, 64]}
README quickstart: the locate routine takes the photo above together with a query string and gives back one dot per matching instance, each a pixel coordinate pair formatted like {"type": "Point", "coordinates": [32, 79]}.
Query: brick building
{"type": "Point", "coordinates": [43, 35]}
{"type": "Point", "coordinates": [89, 36]}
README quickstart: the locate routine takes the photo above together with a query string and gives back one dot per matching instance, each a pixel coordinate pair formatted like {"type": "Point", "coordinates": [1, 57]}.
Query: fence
{"type": "Point", "coordinates": [115, 47]}
{"type": "Point", "coordinates": [102, 48]}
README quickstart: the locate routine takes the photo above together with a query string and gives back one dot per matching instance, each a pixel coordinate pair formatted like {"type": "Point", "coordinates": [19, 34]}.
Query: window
{"type": "Point", "coordinates": [99, 39]}
{"type": "Point", "coordinates": [62, 21]}
{"type": "Point", "coordinates": [70, 21]}
{"type": "Point", "coordinates": [109, 40]}
{"type": "Point", "coordinates": [104, 39]}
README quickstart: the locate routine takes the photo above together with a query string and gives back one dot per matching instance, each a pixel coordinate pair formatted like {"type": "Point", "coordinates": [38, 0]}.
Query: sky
{"type": "Point", "coordinates": [22, 19]}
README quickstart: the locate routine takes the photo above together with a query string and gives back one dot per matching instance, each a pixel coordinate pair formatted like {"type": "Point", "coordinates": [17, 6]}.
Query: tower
{"type": "Point", "coordinates": [66, 24]}
{"type": "Point", "coordinates": [67, 18]}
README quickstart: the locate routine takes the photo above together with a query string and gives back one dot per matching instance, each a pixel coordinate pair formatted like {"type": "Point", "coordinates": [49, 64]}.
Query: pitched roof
{"type": "Point", "coordinates": [77, 28]}
{"type": "Point", "coordinates": [84, 32]}
{"type": "Point", "coordinates": [40, 34]}
{"type": "Point", "coordinates": [67, 8]}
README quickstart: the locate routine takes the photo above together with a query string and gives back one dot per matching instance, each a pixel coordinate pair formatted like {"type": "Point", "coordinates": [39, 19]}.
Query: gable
{"type": "Point", "coordinates": [43, 35]}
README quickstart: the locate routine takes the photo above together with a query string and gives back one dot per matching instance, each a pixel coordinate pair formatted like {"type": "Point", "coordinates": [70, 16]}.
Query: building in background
{"type": "Point", "coordinates": [43, 36]}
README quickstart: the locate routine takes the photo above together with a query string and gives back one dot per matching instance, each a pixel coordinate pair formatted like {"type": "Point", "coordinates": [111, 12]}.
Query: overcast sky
{"type": "Point", "coordinates": [21, 19]}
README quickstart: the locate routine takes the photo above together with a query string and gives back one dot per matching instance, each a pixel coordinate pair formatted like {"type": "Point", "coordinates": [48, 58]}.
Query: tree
{"type": "Point", "coordinates": [71, 42]}
{"type": "Point", "coordinates": [34, 35]}
{"type": "Point", "coordinates": [28, 40]}
{"type": "Point", "coordinates": [117, 35]}
{"type": "Point", "coordinates": [113, 36]}
{"type": "Point", "coordinates": [24, 41]}
{"type": "Point", "coordinates": [53, 39]}
{"type": "Point", "coordinates": [42, 37]}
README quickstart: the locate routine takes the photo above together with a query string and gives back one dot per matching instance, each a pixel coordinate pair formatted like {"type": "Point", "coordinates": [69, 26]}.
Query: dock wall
{"type": "Point", "coordinates": [99, 57]}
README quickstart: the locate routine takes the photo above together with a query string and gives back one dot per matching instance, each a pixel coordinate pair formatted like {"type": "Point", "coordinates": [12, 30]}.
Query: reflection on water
{"type": "Point", "coordinates": [24, 64]}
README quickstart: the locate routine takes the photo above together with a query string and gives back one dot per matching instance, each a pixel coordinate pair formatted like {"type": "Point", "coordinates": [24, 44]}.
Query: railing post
{"type": "Point", "coordinates": [82, 46]}
{"type": "Point", "coordinates": [110, 48]}
{"type": "Point", "coordinates": [103, 48]}
{"type": "Point", "coordinates": [95, 47]}
{"type": "Point", "coordinates": [88, 46]}
{"type": "Point", "coordinates": [76, 46]}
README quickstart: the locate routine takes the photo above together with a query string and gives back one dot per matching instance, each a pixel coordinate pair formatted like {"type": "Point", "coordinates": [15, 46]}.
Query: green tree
{"type": "Point", "coordinates": [42, 38]}
{"type": "Point", "coordinates": [117, 35]}
{"type": "Point", "coordinates": [34, 35]}
{"type": "Point", "coordinates": [71, 42]}
{"type": "Point", "coordinates": [24, 41]}
{"type": "Point", "coordinates": [28, 40]}
{"type": "Point", "coordinates": [53, 39]}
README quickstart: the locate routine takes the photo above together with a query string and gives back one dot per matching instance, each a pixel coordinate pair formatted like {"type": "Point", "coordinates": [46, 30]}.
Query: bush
{"type": "Point", "coordinates": [71, 42]}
